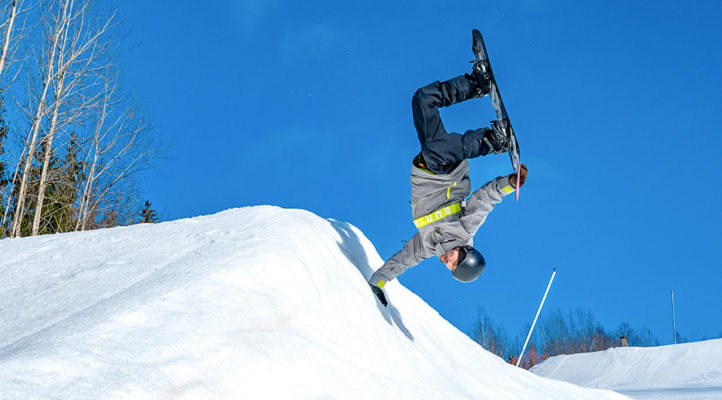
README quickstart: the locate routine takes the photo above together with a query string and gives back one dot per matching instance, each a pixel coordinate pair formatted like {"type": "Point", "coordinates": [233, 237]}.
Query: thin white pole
{"type": "Point", "coordinates": [518, 361]}
{"type": "Point", "coordinates": [674, 323]}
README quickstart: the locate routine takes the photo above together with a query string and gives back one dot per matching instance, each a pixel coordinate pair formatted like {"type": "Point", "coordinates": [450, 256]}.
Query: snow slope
{"type": "Point", "coordinates": [251, 303]}
{"type": "Point", "coordinates": [682, 371]}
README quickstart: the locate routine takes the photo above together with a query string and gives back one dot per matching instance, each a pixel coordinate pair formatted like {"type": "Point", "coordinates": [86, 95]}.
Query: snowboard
{"type": "Point", "coordinates": [482, 58]}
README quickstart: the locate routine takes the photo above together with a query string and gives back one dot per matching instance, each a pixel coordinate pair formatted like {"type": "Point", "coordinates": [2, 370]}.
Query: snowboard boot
{"type": "Point", "coordinates": [480, 79]}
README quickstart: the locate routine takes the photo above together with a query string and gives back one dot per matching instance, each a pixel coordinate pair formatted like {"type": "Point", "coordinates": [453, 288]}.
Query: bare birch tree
{"type": "Point", "coordinates": [72, 92]}
{"type": "Point", "coordinates": [11, 37]}
{"type": "Point", "coordinates": [118, 148]}
{"type": "Point", "coordinates": [80, 49]}
{"type": "Point", "coordinates": [10, 22]}
{"type": "Point", "coordinates": [55, 25]}
{"type": "Point", "coordinates": [14, 32]}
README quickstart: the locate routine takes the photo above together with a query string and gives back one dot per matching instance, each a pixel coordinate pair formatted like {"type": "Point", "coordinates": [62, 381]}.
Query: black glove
{"type": "Point", "coordinates": [496, 139]}
{"type": "Point", "coordinates": [379, 294]}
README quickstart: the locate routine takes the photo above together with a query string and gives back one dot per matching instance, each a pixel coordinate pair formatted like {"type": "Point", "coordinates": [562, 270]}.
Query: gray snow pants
{"type": "Point", "coordinates": [444, 151]}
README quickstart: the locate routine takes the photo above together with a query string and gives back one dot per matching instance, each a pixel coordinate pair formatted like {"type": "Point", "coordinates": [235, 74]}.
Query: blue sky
{"type": "Point", "coordinates": [617, 106]}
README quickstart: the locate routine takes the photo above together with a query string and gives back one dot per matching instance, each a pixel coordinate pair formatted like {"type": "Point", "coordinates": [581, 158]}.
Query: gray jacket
{"type": "Point", "coordinates": [437, 235]}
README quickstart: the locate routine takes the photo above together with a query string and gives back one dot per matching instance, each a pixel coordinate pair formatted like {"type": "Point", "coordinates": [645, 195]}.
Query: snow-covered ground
{"type": "Point", "coordinates": [251, 303]}
{"type": "Point", "coordinates": [689, 371]}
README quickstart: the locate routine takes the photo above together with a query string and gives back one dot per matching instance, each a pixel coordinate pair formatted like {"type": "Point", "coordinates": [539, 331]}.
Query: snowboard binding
{"type": "Point", "coordinates": [481, 77]}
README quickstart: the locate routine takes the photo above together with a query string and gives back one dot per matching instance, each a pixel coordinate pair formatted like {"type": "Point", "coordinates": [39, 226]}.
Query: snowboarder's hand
{"type": "Point", "coordinates": [496, 139]}
{"type": "Point", "coordinates": [379, 294]}
{"type": "Point", "coordinates": [522, 179]}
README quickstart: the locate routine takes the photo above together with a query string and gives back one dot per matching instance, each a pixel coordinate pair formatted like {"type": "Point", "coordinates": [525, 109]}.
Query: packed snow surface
{"type": "Point", "coordinates": [251, 303]}
{"type": "Point", "coordinates": [684, 371]}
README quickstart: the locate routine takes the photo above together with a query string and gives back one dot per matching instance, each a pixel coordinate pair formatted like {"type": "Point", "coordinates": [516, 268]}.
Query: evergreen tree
{"type": "Point", "coordinates": [147, 214]}
{"type": "Point", "coordinates": [63, 191]}
{"type": "Point", "coordinates": [26, 222]}
{"type": "Point", "coordinates": [4, 180]}
{"type": "Point", "coordinates": [33, 189]}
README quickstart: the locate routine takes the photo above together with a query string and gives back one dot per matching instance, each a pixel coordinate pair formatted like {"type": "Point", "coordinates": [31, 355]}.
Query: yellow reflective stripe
{"type": "Point", "coordinates": [448, 190]}
{"type": "Point", "coordinates": [508, 189]}
{"type": "Point", "coordinates": [437, 215]}
{"type": "Point", "coordinates": [381, 284]}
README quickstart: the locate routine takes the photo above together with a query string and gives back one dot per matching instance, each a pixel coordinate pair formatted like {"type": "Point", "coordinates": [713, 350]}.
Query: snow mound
{"type": "Point", "coordinates": [251, 303]}
{"type": "Point", "coordinates": [682, 371]}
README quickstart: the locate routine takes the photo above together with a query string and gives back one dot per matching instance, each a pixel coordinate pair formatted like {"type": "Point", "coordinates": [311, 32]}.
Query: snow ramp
{"type": "Point", "coordinates": [687, 371]}
{"type": "Point", "coordinates": [251, 303]}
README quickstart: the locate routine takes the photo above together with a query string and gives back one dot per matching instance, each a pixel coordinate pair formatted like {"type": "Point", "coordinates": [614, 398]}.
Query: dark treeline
{"type": "Point", "coordinates": [71, 138]}
{"type": "Point", "coordinates": [556, 333]}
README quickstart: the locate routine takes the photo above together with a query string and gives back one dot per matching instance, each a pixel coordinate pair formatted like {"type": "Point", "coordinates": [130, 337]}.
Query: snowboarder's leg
{"type": "Point", "coordinates": [442, 152]}
{"type": "Point", "coordinates": [427, 100]}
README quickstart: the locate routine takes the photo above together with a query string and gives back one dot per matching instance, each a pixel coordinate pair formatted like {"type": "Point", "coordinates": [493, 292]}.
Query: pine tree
{"type": "Point", "coordinates": [147, 214]}
{"type": "Point", "coordinates": [26, 226]}
{"type": "Point", "coordinates": [63, 190]}
{"type": "Point", "coordinates": [26, 220]}
{"type": "Point", "coordinates": [4, 180]}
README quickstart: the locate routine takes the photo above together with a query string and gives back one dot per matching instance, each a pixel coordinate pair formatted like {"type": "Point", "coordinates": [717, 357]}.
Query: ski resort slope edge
{"type": "Point", "coordinates": [687, 371]}
{"type": "Point", "coordinates": [254, 303]}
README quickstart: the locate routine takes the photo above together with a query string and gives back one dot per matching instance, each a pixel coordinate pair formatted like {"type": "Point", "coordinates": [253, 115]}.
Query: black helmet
{"type": "Point", "coordinates": [471, 264]}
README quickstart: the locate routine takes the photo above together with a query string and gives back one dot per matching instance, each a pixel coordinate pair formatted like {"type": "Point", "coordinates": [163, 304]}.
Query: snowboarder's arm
{"type": "Point", "coordinates": [411, 254]}
{"type": "Point", "coordinates": [482, 201]}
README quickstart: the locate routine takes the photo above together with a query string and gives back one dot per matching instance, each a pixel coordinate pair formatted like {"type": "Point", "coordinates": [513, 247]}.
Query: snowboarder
{"type": "Point", "coordinates": [445, 218]}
